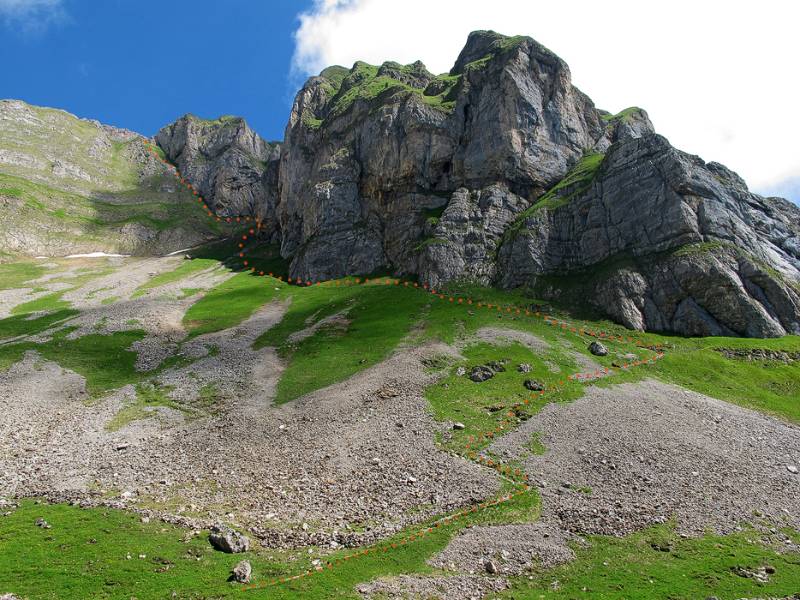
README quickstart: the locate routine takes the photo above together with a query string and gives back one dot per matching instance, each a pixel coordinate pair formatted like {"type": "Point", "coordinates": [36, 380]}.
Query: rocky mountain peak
{"type": "Point", "coordinates": [234, 169]}
{"type": "Point", "coordinates": [480, 44]}
{"type": "Point", "coordinates": [483, 46]}
{"type": "Point", "coordinates": [414, 75]}
{"type": "Point", "coordinates": [502, 172]}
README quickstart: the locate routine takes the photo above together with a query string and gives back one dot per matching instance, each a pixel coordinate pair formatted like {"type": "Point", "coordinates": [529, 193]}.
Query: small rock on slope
{"type": "Point", "coordinates": [241, 572]}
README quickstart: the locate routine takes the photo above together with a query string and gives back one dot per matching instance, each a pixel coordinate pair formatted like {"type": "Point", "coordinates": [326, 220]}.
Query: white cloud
{"type": "Point", "coordinates": [31, 16]}
{"type": "Point", "coordinates": [717, 78]}
{"type": "Point", "coordinates": [788, 188]}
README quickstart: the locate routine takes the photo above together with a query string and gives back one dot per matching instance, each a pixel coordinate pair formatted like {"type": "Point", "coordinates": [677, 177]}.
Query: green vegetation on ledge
{"type": "Point", "coordinates": [576, 182]}
{"type": "Point", "coordinates": [504, 44]}
{"type": "Point", "coordinates": [363, 82]}
{"type": "Point", "coordinates": [623, 115]}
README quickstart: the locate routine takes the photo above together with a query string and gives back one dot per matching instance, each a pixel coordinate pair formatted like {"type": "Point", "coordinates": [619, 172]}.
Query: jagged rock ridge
{"type": "Point", "coordinates": [234, 169]}
{"type": "Point", "coordinates": [502, 172]}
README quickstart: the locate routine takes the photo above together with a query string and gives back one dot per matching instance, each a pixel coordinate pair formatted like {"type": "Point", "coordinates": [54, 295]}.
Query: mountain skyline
{"type": "Point", "coordinates": [115, 63]}
{"type": "Point", "coordinates": [477, 328]}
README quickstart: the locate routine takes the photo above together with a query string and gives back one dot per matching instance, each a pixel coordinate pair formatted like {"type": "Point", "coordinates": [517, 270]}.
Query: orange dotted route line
{"type": "Point", "coordinates": [464, 301]}
{"type": "Point", "coordinates": [382, 549]}
{"type": "Point", "coordinates": [185, 183]}
{"type": "Point", "coordinates": [513, 474]}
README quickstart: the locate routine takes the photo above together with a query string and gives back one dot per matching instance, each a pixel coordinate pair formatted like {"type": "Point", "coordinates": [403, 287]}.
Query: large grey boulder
{"type": "Point", "coordinates": [598, 349]}
{"type": "Point", "coordinates": [241, 572]}
{"type": "Point", "coordinates": [228, 540]}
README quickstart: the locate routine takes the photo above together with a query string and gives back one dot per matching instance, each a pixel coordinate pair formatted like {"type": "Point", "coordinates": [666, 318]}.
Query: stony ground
{"type": "Point", "coordinates": [345, 465]}
{"type": "Point", "coordinates": [358, 460]}
{"type": "Point", "coordinates": [632, 455]}
{"type": "Point", "coordinates": [620, 459]}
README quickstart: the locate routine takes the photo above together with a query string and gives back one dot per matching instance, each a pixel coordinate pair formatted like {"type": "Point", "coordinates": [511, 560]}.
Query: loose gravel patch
{"type": "Point", "coordinates": [503, 336]}
{"type": "Point", "coordinates": [513, 548]}
{"type": "Point", "coordinates": [345, 465]}
{"type": "Point", "coordinates": [466, 587]}
{"type": "Point", "coordinates": [632, 455]}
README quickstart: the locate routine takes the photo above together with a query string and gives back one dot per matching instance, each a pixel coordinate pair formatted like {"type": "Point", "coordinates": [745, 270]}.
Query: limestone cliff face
{"type": "Point", "coordinates": [502, 172]}
{"type": "Point", "coordinates": [372, 152]}
{"type": "Point", "coordinates": [232, 166]}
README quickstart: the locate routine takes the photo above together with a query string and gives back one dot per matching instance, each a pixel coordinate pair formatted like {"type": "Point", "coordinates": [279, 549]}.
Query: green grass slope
{"type": "Point", "coordinates": [330, 332]}
{"type": "Point", "coordinates": [68, 185]}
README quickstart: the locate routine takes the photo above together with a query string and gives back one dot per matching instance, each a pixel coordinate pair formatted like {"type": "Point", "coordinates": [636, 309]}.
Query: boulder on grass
{"type": "Point", "coordinates": [481, 373]}
{"type": "Point", "coordinates": [241, 572]}
{"type": "Point", "coordinates": [228, 540]}
{"type": "Point", "coordinates": [598, 349]}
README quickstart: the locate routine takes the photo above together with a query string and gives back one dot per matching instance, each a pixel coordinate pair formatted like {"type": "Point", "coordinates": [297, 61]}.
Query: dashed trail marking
{"type": "Point", "coordinates": [515, 475]}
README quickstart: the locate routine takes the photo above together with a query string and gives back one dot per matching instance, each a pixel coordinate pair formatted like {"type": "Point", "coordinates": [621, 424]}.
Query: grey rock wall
{"type": "Point", "coordinates": [503, 173]}
{"type": "Point", "coordinates": [234, 169]}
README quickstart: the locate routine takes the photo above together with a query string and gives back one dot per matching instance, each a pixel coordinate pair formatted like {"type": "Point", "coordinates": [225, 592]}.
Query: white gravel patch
{"type": "Point", "coordinates": [413, 587]}
{"type": "Point", "coordinates": [97, 255]}
{"type": "Point", "coordinates": [512, 548]}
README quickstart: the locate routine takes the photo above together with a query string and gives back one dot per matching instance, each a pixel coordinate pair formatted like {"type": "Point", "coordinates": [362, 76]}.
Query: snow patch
{"type": "Point", "coordinates": [98, 255]}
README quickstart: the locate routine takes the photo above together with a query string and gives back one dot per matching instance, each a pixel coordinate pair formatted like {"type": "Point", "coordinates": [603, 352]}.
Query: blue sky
{"type": "Point", "coordinates": [141, 64]}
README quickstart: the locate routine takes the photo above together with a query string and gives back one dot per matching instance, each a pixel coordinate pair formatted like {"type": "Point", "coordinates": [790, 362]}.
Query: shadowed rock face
{"type": "Point", "coordinates": [233, 167]}
{"type": "Point", "coordinates": [502, 172]}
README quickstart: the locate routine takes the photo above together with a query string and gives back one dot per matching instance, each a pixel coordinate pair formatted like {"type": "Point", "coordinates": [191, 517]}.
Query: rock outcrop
{"type": "Point", "coordinates": [229, 540]}
{"type": "Point", "coordinates": [499, 172]}
{"type": "Point", "coordinates": [660, 240]}
{"type": "Point", "coordinates": [502, 172]}
{"type": "Point", "coordinates": [373, 154]}
{"type": "Point", "coordinates": [234, 169]}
